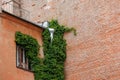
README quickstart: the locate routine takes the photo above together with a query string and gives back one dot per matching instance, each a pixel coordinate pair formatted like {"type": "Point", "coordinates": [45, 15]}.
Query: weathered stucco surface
{"type": "Point", "coordinates": [8, 26]}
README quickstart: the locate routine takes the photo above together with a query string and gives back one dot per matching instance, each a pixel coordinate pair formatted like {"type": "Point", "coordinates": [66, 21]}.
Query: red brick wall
{"type": "Point", "coordinates": [9, 25]}
{"type": "Point", "coordinates": [94, 54]}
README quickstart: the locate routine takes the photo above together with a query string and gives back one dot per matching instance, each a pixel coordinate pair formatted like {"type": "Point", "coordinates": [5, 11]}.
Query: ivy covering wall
{"type": "Point", "coordinates": [31, 48]}
{"type": "Point", "coordinates": [51, 67]}
{"type": "Point", "coordinates": [55, 52]}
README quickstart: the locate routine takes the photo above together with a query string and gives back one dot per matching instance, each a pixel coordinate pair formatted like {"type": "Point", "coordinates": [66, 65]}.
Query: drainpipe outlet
{"type": "Point", "coordinates": [51, 30]}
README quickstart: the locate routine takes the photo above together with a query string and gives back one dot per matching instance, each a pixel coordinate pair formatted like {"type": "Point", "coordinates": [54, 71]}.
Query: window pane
{"type": "Point", "coordinates": [22, 60]}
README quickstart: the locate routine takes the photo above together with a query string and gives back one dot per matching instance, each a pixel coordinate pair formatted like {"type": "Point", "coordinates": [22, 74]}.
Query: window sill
{"type": "Point", "coordinates": [24, 69]}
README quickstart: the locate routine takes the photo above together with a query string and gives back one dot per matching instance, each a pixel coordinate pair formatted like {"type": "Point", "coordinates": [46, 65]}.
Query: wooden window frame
{"type": "Point", "coordinates": [21, 61]}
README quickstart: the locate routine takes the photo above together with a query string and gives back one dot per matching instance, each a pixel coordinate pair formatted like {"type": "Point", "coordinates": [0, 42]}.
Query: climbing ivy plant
{"type": "Point", "coordinates": [55, 52]}
{"type": "Point", "coordinates": [51, 67]}
{"type": "Point", "coordinates": [30, 46]}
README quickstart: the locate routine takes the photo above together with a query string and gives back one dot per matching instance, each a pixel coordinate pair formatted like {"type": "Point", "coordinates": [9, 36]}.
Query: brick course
{"type": "Point", "coordinates": [94, 54]}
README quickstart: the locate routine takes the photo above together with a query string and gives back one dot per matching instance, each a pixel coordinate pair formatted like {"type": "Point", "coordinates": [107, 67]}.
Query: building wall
{"type": "Point", "coordinates": [94, 54]}
{"type": "Point", "coordinates": [0, 5]}
{"type": "Point", "coordinates": [8, 26]}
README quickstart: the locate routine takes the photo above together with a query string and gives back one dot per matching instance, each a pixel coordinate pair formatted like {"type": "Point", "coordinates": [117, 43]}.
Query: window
{"type": "Point", "coordinates": [22, 61]}
{"type": "Point", "coordinates": [15, 7]}
{"type": "Point", "coordinates": [12, 6]}
{"type": "Point", "coordinates": [7, 5]}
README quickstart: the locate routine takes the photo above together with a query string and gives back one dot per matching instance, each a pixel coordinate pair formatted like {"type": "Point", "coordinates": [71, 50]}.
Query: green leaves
{"type": "Point", "coordinates": [55, 53]}
{"type": "Point", "coordinates": [31, 47]}
{"type": "Point", "coordinates": [52, 66]}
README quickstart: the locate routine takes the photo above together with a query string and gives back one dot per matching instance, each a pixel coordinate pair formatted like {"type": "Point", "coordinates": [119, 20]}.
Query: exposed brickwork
{"type": "Point", "coordinates": [10, 25]}
{"type": "Point", "coordinates": [94, 54]}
